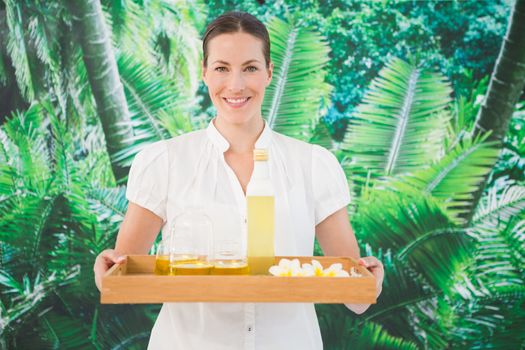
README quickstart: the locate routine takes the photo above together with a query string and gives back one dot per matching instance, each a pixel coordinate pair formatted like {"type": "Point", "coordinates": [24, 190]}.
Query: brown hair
{"type": "Point", "coordinates": [235, 22]}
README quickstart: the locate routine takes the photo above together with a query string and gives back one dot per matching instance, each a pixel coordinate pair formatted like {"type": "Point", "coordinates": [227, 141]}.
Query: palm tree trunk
{"type": "Point", "coordinates": [506, 84]}
{"type": "Point", "coordinates": [103, 76]}
{"type": "Point", "coordinates": [508, 79]}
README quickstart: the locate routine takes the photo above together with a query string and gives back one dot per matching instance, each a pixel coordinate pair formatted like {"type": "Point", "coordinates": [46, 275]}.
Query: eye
{"type": "Point", "coordinates": [220, 69]}
{"type": "Point", "coordinates": [251, 69]}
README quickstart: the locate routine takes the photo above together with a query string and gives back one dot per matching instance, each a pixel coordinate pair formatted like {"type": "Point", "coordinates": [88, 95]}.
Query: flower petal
{"type": "Point", "coordinates": [337, 266]}
{"type": "Point", "coordinates": [285, 262]}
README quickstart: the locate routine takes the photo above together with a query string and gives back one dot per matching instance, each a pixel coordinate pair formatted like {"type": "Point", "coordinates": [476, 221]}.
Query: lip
{"type": "Point", "coordinates": [237, 105]}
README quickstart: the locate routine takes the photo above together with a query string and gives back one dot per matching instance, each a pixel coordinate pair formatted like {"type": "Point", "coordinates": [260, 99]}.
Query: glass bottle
{"type": "Point", "coordinates": [260, 200]}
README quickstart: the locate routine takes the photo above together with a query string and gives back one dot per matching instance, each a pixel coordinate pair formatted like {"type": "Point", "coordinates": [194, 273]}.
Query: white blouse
{"type": "Point", "coordinates": [190, 171]}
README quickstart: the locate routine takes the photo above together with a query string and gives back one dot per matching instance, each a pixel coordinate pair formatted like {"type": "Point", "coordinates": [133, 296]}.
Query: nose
{"type": "Point", "coordinates": [236, 82]}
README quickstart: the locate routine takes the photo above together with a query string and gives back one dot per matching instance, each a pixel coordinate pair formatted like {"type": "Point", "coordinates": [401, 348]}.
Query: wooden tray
{"type": "Point", "coordinates": [134, 282]}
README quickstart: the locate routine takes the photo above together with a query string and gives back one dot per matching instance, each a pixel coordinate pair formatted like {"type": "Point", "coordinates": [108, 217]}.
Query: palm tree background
{"type": "Point", "coordinates": [410, 149]}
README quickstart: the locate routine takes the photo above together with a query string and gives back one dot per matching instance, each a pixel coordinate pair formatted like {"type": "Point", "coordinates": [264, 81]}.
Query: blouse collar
{"type": "Point", "coordinates": [222, 144]}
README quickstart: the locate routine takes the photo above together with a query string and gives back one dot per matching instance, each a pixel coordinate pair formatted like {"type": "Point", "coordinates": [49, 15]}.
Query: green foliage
{"type": "Point", "coordinates": [455, 177]}
{"type": "Point", "coordinates": [163, 34]}
{"type": "Point", "coordinates": [291, 103]}
{"type": "Point", "coordinates": [55, 217]}
{"type": "Point", "coordinates": [342, 332]}
{"type": "Point", "coordinates": [511, 163]}
{"type": "Point", "coordinates": [157, 108]}
{"type": "Point", "coordinates": [397, 127]}
{"type": "Point", "coordinates": [411, 165]}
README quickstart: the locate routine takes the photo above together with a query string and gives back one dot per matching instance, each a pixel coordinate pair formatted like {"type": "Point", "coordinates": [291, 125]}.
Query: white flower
{"type": "Point", "coordinates": [286, 267]}
{"type": "Point", "coordinates": [314, 269]}
{"type": "Point", "coordinates": [335, 270]}
{"type": "Point", "coordinates": [302, 272]}
{"type": "Point", "coordinates": [292, 268]}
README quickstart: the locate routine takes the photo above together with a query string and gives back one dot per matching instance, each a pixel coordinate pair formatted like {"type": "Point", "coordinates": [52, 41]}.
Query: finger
{"type": "Point", "coordinates": [369, 261]}
{"type": "Point", "coordinates": [113, 256]}
{"type": "Point", "coordinates": [103, 262]}
{"type": "Point", "coordinates": [376, 271]}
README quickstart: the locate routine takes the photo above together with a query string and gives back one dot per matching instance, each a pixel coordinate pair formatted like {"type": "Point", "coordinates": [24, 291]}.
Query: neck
{"type": "Point", "coordinates": [241, 137]}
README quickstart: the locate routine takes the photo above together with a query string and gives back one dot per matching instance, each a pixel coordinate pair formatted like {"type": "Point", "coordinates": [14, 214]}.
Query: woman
{"type": "Point", "coordinates": [212, 168]}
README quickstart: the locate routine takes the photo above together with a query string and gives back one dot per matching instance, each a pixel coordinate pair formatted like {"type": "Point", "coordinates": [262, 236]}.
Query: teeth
{"type": "Point", "coordinates": [240, 100]}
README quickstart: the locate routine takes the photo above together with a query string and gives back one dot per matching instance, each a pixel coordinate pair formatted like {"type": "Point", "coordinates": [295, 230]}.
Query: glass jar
{"type": "Point", "coordinates": [191, 237]}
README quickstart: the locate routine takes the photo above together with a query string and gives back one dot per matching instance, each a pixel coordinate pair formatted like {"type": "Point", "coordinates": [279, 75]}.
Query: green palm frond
{"type": "Point", "coordinates": [373, 335]}
{"type": "Point", "coordinates": [60, 332]}
{"type": "Point", "coordinates": [342, 331]}
{"type": "Point", "coordinates": [30, 160]}
{"type": "Point", "coordinates": [417, 231]}
{"type": "Point", "coordinates": [17, 46]}
{"type": "Point", "coordinates": [164, 34]}
{"type": "Point", "coordinates": [24, 227]}
{"type": "Point", "coordinates": [43, 31]}
{"type": "Point", "coordinates": [29, 194]}
{"type": "Point", "coordinates": [177, 25]}
{"type": "Point", "coordinates": [64, 169]}
{"type": "Point", "coordinates": [455, 178]}
{"type": "Point", "coordinates": [94, 168]}
{"type": "Point", "coordinates": [494, 320]}
{"type": "Point", "coordinates": [130, 326]}
{"type": "Point", "coordinates": [26, 294]}
{"type": "Point", "coordinates": [156, 110]}
{"type": "Point", "coordinates": [500, 206]}
{"type": "Point", "coordinates": [109, 206]}
{"type": "Point", "coordinates": [466, 106]}
{"type": "Point", "coordinates": [404, 295]}
{"type": "Point", "coordinates": [442, 318]}
{"type": "Point", "coordinates": [132, 29]}
{"type": "Point", "coordinates": [8, 173]}
{"type": "Point", "coordinates": [79, 102]}
{"type": "Point", "coordinates": [292, 100]}
{"type": "Point", "coordinates": [400, 125]}
{"type": "Point", "coordinates": [93, 221]}
{"type": "Point", "coordinates": [492, 294]}
{"type": "Point", "coordinates": [90, 223]}
{"type": "Point", "coordinates": [500, 253]}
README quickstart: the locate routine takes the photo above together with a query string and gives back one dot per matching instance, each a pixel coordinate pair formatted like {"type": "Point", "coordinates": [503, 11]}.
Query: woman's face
{"type": "Point", "coordinates": [236, 76]}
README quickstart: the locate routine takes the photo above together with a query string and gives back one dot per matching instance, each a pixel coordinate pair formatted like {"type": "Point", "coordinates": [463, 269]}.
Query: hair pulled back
{"type": "Point", "coordinates": [235, 22]}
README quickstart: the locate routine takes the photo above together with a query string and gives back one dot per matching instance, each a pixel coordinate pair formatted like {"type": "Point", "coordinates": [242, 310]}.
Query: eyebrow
{"type": "Point", "coordinates": [245, 63]}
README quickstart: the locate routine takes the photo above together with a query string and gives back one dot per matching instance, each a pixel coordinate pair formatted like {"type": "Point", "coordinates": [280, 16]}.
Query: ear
{"type": "Point", "coordinates": [270, 73]}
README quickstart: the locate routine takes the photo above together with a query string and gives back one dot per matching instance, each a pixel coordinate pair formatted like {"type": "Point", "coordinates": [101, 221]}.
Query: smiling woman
{"type": "Point", "coordinates": [237, 74]}
{"type": "Point", "coordinates": [211, 169]}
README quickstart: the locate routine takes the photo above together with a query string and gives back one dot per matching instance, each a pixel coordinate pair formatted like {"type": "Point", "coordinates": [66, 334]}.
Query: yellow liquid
{"type": "Point", "coordinates": [230, 267]}
{"type": "Point", "coordinates": [260, 265]}
{"type": "Point", "coordinates": [261, 226]}
{"type": "Point", "coordinates": [192, 268]}
{"type": "Point", "coordinates": [162, 265]}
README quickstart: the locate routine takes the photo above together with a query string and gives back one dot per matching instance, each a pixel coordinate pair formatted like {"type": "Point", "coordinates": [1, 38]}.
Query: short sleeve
{"type": "Point", "coordinates": [148, 179]}
{"type": "Point", "coordinates": [330, 187]}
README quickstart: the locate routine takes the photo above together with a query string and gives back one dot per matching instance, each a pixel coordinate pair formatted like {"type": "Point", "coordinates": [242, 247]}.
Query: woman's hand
{"type": "Point", "coordinates": [103, 262]}
{"type": "Point", "coordinates": [135, 236]}
{"type": "Point", "coordinates": [376, 268]}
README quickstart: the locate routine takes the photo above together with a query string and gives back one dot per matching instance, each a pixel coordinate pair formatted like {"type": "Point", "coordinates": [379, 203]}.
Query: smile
{"type": "Point", "coordinates": [236, 102]}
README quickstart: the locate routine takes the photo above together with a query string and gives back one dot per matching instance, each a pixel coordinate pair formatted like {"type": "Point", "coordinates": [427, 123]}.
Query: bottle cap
{"type": "Point", "coordinates": [260, 154]}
